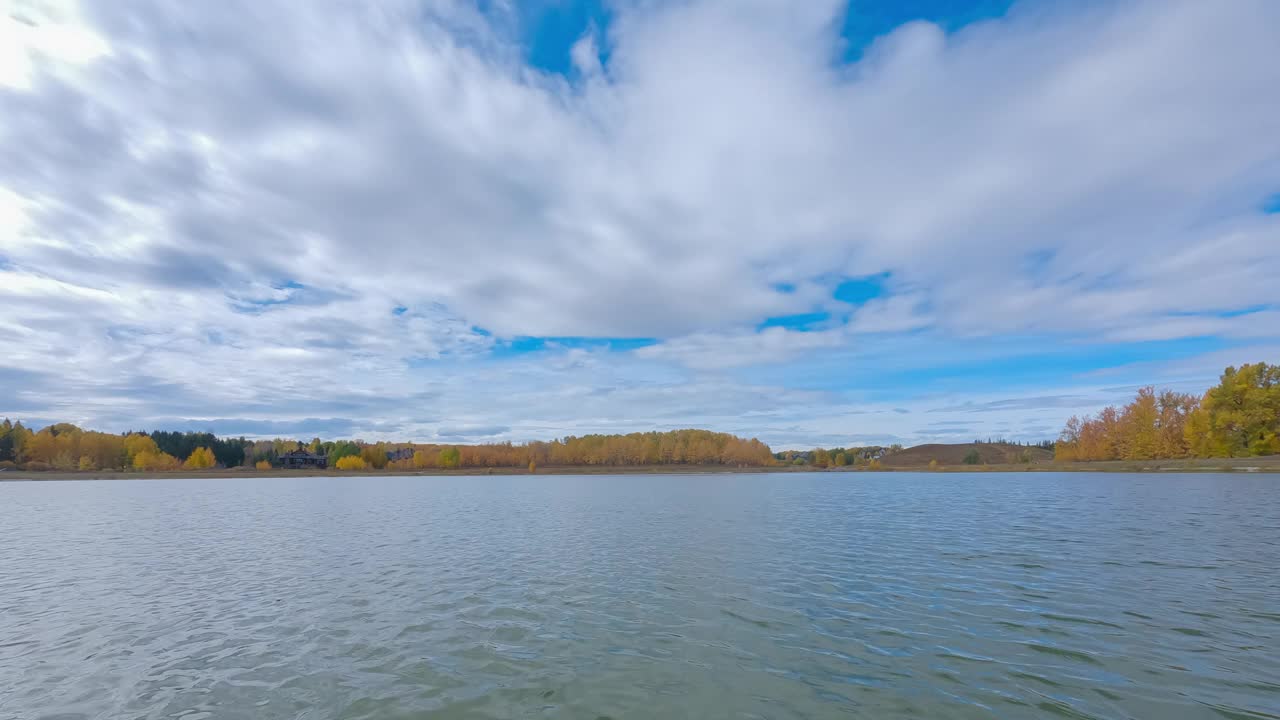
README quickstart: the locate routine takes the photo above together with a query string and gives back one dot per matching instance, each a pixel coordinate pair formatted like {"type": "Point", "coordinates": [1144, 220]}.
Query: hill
{"type": "Point", "coordinates": [988, 454]}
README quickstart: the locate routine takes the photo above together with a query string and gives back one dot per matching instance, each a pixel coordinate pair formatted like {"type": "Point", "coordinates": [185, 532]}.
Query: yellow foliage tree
{"type": "Point", "coordinates": [138, 443]}
{"type": "Point", "coordinates": [1139, 436]}
{"type": "Point", "coordinates": [200, 459]}
{"type": "Point", "coordinates": [147, 460]}
{"type": "Point", "coordinates": [422, 460]}
{"type": "Point", "coordinates": [1240, 416]}
{"type": "Point", "coordinates": [351, 462]}
{"type": "Point", "coordinates": [374, 456]}
{"type": "Point", "coordinates": [933, 464]}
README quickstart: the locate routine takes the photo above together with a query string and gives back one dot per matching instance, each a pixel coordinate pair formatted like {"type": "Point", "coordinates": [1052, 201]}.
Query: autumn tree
{"type": "Point", "coordinates": [375, 456]}
{"type": "Point", "coordinates": [450, 457]}
{"type": "Point", "coordinates": [821, 458]}
{"type": "Point", "coordinates": [1175, 410]}
{"type": "Point", "coordinates": [1240, 416]}
{"type": "Point", "coordinates": [351, 462]}
{"type": "Point", "coordinates": [155, 461]}
{"type": "Point", "coordinates": [41, 447]}
{"type": "Point", "coordinates": [200, 459]}
{"type": "Point", "coordinates": [66, 446]}
{"type": "Point", "coordinates": [342, 449]}
{"type": "Point", "coordinates": [1139, 435]}
{"type": "Point", "coordinates": [135, 444]}
{"type": "Point", "coordinates": [104, 450]}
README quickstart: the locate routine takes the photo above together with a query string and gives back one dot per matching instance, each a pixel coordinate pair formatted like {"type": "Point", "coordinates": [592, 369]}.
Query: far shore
{"type": "Point", "coordinates": [1270, 464]}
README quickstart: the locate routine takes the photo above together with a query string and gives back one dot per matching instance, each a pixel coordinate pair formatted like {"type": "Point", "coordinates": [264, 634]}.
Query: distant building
{"type": "Point", "coordinates": [303, 459]}
{"type": "Point", "coordinates": [400, 454]}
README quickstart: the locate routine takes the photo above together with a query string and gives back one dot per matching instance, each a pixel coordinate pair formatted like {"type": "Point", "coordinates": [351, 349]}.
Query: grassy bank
{"type": "Point", "coordinates": [1270, 464]}
{"type": "Point", "coordinates": [247, 472]}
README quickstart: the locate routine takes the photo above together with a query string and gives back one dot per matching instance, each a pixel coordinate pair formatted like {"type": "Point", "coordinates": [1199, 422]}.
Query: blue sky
{"type": "Point", "coordinates": [548, 29]}
{"type": "Point", "coordinates": [826, 223]}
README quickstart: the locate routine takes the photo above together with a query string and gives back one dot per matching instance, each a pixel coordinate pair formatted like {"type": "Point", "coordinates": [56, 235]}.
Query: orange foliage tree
{"type": "Point", "coordinates": [1238, 417]}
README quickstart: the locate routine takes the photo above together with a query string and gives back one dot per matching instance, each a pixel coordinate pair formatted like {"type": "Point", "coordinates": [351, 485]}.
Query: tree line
{"type": "Point", "coordinates": [676, 447]}
{"type": "Point", "coordinates": [1238, 417]}
{"type": "Point", "coordinates": [64, 446]}
{"type": "Point", "coordinates": [836, 456]}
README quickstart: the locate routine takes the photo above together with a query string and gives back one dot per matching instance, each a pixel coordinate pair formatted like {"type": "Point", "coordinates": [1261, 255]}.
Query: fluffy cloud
{"type": "Point", "coordinates": [242, 210]}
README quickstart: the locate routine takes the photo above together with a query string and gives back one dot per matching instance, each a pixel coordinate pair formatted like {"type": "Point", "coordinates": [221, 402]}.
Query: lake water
{"type": "Point", "coordinates": [708, 596]}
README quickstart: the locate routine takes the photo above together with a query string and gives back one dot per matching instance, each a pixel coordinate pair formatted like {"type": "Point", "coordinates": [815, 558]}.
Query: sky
{"type": "Point", "coordinates": [826, 223]}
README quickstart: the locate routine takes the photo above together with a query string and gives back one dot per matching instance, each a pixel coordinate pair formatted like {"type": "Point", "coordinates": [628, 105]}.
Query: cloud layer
{"type": "Point", "coordinates": [265, 211]}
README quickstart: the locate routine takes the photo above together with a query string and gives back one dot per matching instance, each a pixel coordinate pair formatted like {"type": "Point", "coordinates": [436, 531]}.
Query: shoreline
{"type": "Point", "coordinates": [1260, 465]}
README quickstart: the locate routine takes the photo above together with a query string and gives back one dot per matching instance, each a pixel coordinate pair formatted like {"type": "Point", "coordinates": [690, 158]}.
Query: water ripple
{"type": "Point", "coordinates": [792, 596]}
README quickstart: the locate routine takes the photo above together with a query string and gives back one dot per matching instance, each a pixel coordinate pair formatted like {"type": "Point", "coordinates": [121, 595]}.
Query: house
{"type": "Point", "coordinates": [303, 459]}
{"type": "Point", "coordinates": [400, 454]}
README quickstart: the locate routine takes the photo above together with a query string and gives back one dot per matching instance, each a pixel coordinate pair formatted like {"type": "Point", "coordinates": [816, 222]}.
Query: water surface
{"type": "Point", "coordinates": [708, 596]}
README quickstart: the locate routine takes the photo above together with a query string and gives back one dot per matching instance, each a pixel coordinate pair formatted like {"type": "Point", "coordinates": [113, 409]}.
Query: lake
{"type": "Point", "coordinates": [889, 595]}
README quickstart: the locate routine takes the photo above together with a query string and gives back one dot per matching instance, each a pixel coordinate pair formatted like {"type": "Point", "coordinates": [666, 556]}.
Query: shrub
{"type": "Point", "coordinates": [533, 466]}
{"type": "Point", "coordinates": [875, 465]}
{"type": "Point", "coordinates": [933, 464]}
{"type": "Point", "coordinates": [262, 465]}
{"type": "Point", "coordinates": [37, 466]}
{"type": "Point", "coordinates": [972, 458]}
{"type": "Point", "coordinates": [351, 462]}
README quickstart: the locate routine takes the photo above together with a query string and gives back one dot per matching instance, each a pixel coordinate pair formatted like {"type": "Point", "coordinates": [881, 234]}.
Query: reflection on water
{"type": "Point", "coordinates": [784, 596]}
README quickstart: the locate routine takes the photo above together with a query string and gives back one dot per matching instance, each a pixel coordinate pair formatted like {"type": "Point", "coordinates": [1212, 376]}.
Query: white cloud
{"type": "Point", "coordinates": [43, 36]}
{"type": "Point", "coordinates": [586, 55]}
{"type": "Point", "coordinates": [711, 351]}
{"type": "Point", "coordinates": [237, 197]}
